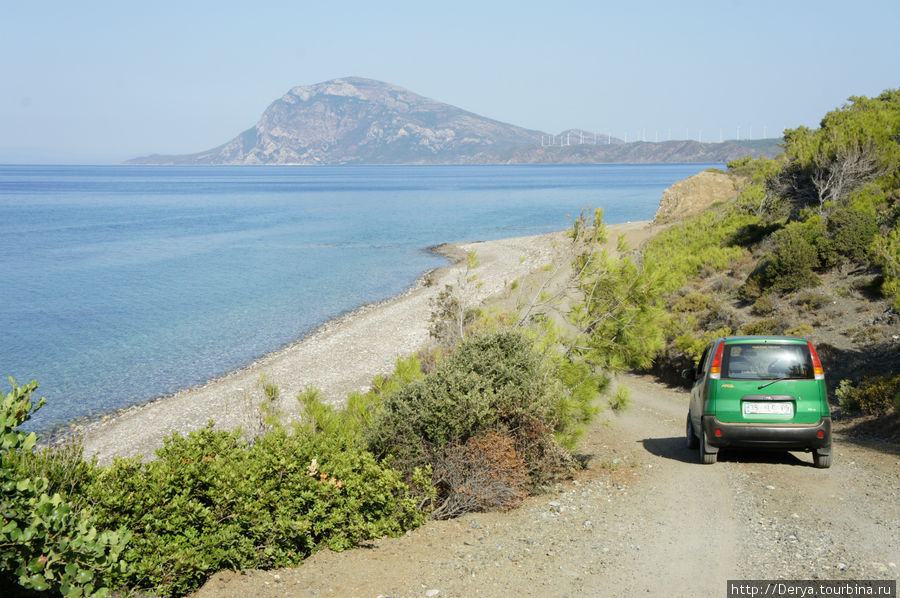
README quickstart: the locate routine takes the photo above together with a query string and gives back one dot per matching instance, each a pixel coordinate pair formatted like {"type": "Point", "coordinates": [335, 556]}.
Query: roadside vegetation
{"type": "Point", "coordinates": [809, 247]}
{"type": "Point", "coordinates": [492, 411]}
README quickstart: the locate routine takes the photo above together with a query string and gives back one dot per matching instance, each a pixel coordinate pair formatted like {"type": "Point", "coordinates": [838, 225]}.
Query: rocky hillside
{"type": "Point", "coordinates": [361, 121]}
{"type": "Point", "coordinates": [694, 194]}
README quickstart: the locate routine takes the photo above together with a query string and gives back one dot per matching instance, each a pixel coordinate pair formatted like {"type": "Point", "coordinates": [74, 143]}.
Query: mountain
{"type": "Point", "coordinates": [361, 121]}
{"type": "Point", "coordinates": [357, 120]}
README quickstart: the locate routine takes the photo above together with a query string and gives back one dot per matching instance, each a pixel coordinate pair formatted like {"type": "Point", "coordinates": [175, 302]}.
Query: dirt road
{"type": "Point", "coordinates": [645, 519]}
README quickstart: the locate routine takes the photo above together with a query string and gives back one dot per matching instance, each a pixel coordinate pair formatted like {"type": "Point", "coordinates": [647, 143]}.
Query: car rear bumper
{"type": "Point", "coordinates": [768, 435]}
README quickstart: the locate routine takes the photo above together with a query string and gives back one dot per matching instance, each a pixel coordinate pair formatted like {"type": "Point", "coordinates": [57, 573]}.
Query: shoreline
{"type": "Point", "coordinates": [341, 355]}
{"type": "Point", "coordinates": [92, 429]}
{"type": "Point", "coordinates": [89, 423]}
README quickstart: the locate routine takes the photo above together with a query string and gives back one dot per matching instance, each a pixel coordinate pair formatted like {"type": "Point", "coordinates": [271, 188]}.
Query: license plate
{"type": "Point", "coordinates": [768, 409]}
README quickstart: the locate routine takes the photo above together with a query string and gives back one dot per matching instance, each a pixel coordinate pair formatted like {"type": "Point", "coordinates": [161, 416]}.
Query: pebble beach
{"type": "Point", "coordinates": [341, 356]}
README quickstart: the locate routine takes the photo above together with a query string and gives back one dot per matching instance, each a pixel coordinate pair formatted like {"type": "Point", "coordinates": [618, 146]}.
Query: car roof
{"type": "Point", "coordinates": [765, 339]}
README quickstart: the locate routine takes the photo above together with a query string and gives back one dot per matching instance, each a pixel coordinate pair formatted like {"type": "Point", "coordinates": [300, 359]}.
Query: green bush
{"type": "Point", "coordinates": [493, 382]}
{"type": "Point", "coordinates": [764, 306]}
{"type": "Point", "coordinates": [752, 288]}
{"type": "Point", "coordinates": [707, 240]}
{"type": "Point", "coordinates": [887, 255]}
{"type": "Point", "coordinates": [764, 326]}
{"type": "Point", "coordinates": [802, 330]}
{"type": "Point", "coordinates": [790, 264]}
{"type": "Point", "coordinates": [692, 302]}
{"type": "Point", "coordinates": [872, 396]}
{"type": "Point", "coordinates": [755, 197]}
{"type": "Point", "coordinates": [854, 146]}
{"type": "Point", "coordinates": [849, 235]}
{"type": "Point", "coordinates": [45, 543]}
{"type": "Point", "coordinates": [63, 466]}
{"type": "Point", "coordinates": [878, 395]}
{"type": "Point", "coordinates": [845, 393]}
{"type": "Point", "coordinates": [620, 401]}
{"type": "Point", "coordinates": [210, 501]}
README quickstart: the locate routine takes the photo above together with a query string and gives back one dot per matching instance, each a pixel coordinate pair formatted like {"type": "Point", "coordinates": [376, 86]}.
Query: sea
{"type": "Point", "coordinates": [120, 284]}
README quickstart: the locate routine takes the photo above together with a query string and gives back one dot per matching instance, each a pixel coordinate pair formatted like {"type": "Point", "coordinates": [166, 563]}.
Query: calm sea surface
{"type": "Point", "coordinates": [121, 284]}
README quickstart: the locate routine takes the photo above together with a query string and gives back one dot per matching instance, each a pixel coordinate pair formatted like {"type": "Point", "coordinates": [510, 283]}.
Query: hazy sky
{"type": "Point", "coordinates": [105, 81]}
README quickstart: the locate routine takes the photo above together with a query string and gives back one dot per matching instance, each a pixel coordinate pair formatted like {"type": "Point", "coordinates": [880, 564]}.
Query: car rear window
{"type": "Point", "coordinates": [766, 361]}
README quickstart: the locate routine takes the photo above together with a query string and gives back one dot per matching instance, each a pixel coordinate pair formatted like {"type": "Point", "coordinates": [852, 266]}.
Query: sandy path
{"type": "Point", "coordinates": [342, 356]}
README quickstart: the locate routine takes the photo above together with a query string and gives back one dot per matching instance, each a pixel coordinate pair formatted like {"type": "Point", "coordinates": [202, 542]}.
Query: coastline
{"type": "Point", "coordinates": [342, 355]}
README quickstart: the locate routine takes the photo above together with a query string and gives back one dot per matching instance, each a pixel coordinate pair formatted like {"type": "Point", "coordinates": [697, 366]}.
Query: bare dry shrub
{"type": "Point", "coordinates": [486, 473]}
{"type": "Point", "coordinates": [430, 356]}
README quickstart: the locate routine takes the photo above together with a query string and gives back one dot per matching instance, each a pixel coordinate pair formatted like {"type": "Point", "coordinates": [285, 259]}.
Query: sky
{"type": "Point", "coordinates": [100, 82]}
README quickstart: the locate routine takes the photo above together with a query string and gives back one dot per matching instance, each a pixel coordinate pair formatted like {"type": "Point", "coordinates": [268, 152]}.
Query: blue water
{"type": "Point", "coordinates": [121, 284]}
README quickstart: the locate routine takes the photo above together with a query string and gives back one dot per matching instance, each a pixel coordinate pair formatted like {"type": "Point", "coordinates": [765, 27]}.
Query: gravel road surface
{"type": "Point", "coordinates": [644, 519]}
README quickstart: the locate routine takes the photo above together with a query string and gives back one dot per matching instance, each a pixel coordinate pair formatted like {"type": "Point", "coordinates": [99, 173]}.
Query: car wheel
{"type": "Point", "coordinates": [821, 460]}
{"type": "Point", "coordinates": [690, 439]}
{"type": "Point", "coordinates": [705, 457]}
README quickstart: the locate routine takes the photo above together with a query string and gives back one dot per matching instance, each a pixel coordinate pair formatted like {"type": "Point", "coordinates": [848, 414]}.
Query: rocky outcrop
{"type": "Point", "coordinates": [693, 195]}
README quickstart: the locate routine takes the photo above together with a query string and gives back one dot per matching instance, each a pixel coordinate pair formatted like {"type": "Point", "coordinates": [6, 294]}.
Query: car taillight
{"type": "Point", "coordinates": [715, 370]}
{"type": "Point", "coordinates": [817, 365]}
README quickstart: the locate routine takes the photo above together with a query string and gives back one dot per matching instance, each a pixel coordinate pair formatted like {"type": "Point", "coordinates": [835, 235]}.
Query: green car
{"type": "Point", "coordinates": [759, 392]}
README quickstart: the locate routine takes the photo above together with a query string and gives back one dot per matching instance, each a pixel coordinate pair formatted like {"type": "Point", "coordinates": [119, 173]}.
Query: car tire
{"type": "Point", "coordinates": [822, 460]}
{"type": "Point", "coordinates": [705, 457]}
{"type": "Point", "coordinates": [690, 439]}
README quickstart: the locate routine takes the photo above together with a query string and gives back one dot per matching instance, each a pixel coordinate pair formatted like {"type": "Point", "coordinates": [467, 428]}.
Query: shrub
{"type": "Point", "coordinates": [621, 400]}
{"type": "Point", "coordinates": [811, 300]}
{"type": "Point", "coordinates": [878, 395]}
{"type": "Point", "coordinates": [854, 146]}
{"type": "Point", "coordinates": [450, 318]}
{"type": "Point", "coordinates": [764, 306]}
{"type": "Point", "coordinates": [764, 326]}
{"type": "Point", "coordinates": [873, 396]}
{"type": "Point", "coordinates": [485, 473]}
{"type": "Point", "coordinates": [752, 288]}
{"type": "Point", "coordinates": [493, 382]}
{"type": "Point", "coordinates": [849, 234]}
{"type": "Point", "coordinates": [790, 264]}
{"type": "Point", "coordinates": [864, 335]}
{"type": "Point", "coordinates": [691, 303]}
{"type": "Point", "coordinates": [211, 501]}
{"type": "Point", "coordinates": [802, 330]}
{"type": "Point", "coordinates": [846, 396]}
{"type": "Point", "coordinates": [752, 234]}
{"type": "Point", "coordinates": [45, 543]}
{"type": "Point", "coordinates": [682, 251]}
{"type": "Point", "coordinates": [63, 467]}
{"type": "Point", "coordinates": [887, 255]}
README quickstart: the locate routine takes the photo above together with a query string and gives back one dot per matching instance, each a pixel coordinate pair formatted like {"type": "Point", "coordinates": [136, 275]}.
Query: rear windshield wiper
{"type": "Point", "coordinates": [770, 383]}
